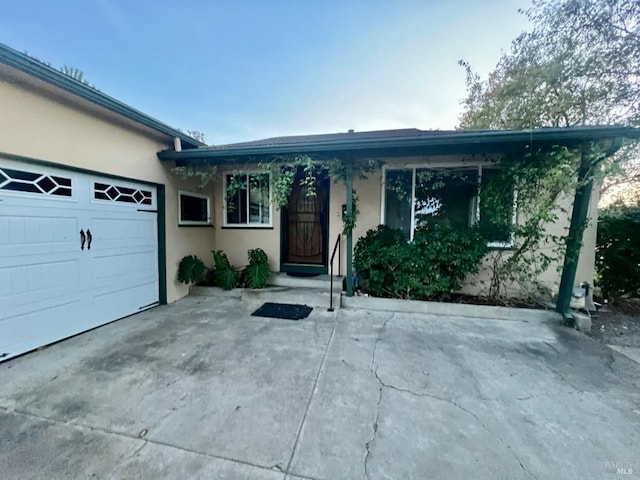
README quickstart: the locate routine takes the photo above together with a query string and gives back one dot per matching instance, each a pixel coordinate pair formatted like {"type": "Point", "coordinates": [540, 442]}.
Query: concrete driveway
{"type": "Point", "coordinates": [200, 389]}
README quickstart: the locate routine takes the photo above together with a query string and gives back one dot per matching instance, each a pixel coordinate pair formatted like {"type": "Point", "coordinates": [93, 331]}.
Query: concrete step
{"type": "Point", "coordinates": [280, 279]}
{"type": "Point", "coordinates": [313, 297]}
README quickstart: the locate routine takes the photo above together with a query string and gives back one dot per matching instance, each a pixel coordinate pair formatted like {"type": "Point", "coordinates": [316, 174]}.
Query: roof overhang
{"type": "Point", "coordinates": [457, 142]}
{"type": "Point", "coordinates": [41, 71]}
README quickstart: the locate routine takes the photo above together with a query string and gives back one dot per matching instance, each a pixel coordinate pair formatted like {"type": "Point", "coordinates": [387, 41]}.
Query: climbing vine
{"type": "Point", "coordinates": [205, 173]}
{"type": "Point", "coordinates": [543, 181]}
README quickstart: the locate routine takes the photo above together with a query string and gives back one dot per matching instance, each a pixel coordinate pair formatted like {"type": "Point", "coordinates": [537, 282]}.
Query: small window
{"type": "Point", "coordinates": [247, 200]}
{"type": "Point", "coordinates": [194, 209]}
{"type": "Point", "coordinates": [30, 182]}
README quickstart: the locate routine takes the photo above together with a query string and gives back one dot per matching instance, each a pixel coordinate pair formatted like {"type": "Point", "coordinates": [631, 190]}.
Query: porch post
{"type": "Point", "coordinates": [349, 252]}
{"type": "Point", "coordinates": [574, 237]}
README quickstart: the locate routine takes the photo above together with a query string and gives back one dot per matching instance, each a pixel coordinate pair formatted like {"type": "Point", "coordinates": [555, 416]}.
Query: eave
{"type": "Point", "coordinates": [459, 142]}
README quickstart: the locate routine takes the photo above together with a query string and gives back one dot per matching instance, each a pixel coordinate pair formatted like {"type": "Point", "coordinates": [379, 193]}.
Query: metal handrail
{"type": "Point", "coordinates": [338, 247]}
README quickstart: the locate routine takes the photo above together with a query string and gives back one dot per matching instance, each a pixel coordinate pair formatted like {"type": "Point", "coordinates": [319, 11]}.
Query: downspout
{"type": "Point", "coordinates": [349, 246]}
{"type": "Point", "coordinates": [579, 215]}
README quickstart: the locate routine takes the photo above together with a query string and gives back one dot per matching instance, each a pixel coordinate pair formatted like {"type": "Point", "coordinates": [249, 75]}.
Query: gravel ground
{"type": "Point", "coordinates": [618, 323]}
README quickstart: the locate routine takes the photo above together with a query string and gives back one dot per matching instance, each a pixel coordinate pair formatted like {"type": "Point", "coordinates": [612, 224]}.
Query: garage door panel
{"type": "Point", "coordinates": [42, 325]}
{"type": "Point", "coordinates": [50, 288]}
{"type": "Point", "coordinates": [117, 304]}
{"type": "Point", "coordinates": [44, 279]}
{"type": "Point", "coordinates": [133, 264]}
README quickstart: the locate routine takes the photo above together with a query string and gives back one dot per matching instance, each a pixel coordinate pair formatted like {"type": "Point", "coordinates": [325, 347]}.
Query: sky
{"type": "Point", "coordinates": [248, 69]}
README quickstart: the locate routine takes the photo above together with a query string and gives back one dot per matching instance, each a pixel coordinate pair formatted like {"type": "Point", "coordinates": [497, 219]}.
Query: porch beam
{"type": "Point", "coordinates": [576, 229]}
{"type": "Point", "coordinates": [349, 186]}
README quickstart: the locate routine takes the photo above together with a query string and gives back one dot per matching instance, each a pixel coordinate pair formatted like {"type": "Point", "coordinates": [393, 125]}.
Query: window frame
{"type": "Point", "coordinates": [475, 210]}
{"type": "Point", "coordinates": [194, 223]}
{"type": "Point", "coordinates": [246, 173]}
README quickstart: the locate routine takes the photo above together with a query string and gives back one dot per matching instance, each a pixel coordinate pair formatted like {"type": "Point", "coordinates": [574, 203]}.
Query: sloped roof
{"type": "Point", "coordinates": [403, 142]}
{"type": "Point", "coordinates": [335, 137]}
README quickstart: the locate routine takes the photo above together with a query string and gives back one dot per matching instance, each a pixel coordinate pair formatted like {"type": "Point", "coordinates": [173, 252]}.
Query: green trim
{"type": "Point", "coordinates": [240, 227]}
{"type": "Point", "coordinates": [162, 243]}
{"type": "Point", "coordinates": [462, 141]}
{"type": "Point", "coordinates": [574, 237]}
{"type": "Point", "coordinates": [39, 70]}
{"type": "Point", "coordinates": [349, 243]}
{"type": "Point", "coordinates": [312, 269]}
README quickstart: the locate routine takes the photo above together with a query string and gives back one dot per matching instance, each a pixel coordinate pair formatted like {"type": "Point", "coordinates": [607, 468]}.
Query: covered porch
{"type": "Point", "coordinates": [300, 235]}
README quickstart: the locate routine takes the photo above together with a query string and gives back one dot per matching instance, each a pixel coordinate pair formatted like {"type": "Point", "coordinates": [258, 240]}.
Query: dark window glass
{"type": "Point", "coordinates": [20, 175]}
{"type": "Point", "coordinates": [46, 184]}
{"type": "Point", "coordinates": [64, 182]}
{"type": "Point", "coordinates": [237, 203]}
{"type": "Point", "coordinates": [397, 200]}
{"type": "Point", "coordinates": [496, 207]}
{"type": "Point", "coordinates": [62, 192]}
{"type": "Point", "coordinates": [445, 196]}
{"type": "Point", "coordinates": [193, 209]}
{"type": "Point", "coordinates": [126, 199]}
{"type": "Point", "coordinates": [21, 187]}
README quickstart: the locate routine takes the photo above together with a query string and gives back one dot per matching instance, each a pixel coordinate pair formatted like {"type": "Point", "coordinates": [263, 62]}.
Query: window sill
{"type": "Point", "coordinates": [247, 227]}
{"type": "Point", "coordinates": [501, 246]}
{"type": "Point", "coordinates": [197, 225]}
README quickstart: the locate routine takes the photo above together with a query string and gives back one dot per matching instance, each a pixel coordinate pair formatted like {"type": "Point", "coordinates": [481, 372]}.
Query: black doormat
{"type": "Point", "coordinates": [283, 310]}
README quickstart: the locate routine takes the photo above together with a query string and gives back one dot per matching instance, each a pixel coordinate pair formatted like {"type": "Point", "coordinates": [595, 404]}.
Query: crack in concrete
{"type": "Point", "coordinates": [450, 401]}
{"type": "Point", "coordinates": [124, 460]}
{"type": "Point", "coordinates": [382, 385]}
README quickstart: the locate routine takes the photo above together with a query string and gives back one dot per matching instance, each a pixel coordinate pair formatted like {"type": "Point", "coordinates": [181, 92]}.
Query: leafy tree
{"type": "Point", "coordinates": [198, 135]}
{"type": "Point", "coordinates": [578, 65]}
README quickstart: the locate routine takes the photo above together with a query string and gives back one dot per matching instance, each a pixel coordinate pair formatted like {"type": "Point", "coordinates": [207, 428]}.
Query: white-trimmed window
{"type": "Point", "coordinates": [247, 199]}
{"type": "Point", "coordinates": [414, 196]}
{"type": "Point", "coordinates": [194, 209]}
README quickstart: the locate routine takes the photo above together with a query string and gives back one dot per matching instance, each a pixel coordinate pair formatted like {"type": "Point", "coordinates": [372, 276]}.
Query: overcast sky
{"type": "Point", "coordinates": [247, 69]}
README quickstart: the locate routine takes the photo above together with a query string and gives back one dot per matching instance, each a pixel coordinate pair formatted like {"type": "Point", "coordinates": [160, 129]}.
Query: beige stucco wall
{"type": "Point", "coordinates": [236, 242]}
{"type": "Point", "coordinates": [370, 196]}
{"type": "Point", "coordinates": [40, 123]}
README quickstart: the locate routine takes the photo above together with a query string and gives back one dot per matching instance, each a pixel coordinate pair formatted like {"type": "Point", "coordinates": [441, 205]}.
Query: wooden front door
{"type": "Point", "coordinates": [304, 228]}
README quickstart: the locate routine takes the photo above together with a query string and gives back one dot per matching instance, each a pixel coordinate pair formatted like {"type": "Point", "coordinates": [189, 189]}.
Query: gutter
{"type": "Point", "coordinates": [478, 137]}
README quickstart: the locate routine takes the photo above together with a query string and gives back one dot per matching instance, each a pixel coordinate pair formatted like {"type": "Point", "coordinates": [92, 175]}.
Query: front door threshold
{"type": "Point", "coordinates": [304, 269]}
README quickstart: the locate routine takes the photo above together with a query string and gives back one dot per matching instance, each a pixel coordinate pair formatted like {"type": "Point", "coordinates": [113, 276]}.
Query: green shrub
{"type": "Point", "coordinates": [257, 273]}
{"type": "Point", "coordinates": [618, 251]}
{"type": "Point", "coordinates": [191, 270]}
{"type": "Point", "coordinates": [432, 266]}
{"type": "Point", "coordinates": [225, 275]}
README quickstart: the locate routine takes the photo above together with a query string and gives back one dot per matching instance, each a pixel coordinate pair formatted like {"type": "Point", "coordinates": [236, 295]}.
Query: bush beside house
{"type": "Point", "coordinates": [618, 251]}
{"type": "Point", "coordinates": [431, 267]}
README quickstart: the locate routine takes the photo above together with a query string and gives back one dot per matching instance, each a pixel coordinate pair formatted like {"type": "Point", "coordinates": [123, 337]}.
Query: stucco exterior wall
{"type": "Point", "coordinates": [58, 128]}
{"type": "Point", "coordinates": [370, 205]}
{"type": "Point", "coordinates": [236, 241]}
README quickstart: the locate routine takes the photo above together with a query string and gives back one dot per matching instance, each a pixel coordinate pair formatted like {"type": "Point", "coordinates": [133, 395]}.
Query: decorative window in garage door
{"type": "Point", "coordinates": [119, 193]}
{"type": "Point", "coordinates": [32, 182]}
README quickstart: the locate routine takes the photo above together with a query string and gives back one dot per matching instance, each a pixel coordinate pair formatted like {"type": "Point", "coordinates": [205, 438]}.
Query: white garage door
{"type": "Point", "coordinates": [76, 251]}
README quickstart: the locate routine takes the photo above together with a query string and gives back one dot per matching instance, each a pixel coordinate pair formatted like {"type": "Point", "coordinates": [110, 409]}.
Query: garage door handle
{"type": "Point", "coordinates": [89, 238]}
{"type": "Point", "coordinates": [83, 239]}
